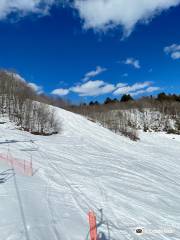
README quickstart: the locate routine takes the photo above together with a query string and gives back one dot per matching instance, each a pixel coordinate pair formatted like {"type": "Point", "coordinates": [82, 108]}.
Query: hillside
{"type": "Point", "coordinates": [136, 184]}
{"type": "Point", "coordinates": [158, 114]}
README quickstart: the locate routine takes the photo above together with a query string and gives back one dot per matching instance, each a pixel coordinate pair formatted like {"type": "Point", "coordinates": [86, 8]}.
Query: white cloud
{"type": "Point", "coordinates": [175, 55]}
{"type": "Point", "coordinates": [106, 14]}
{"type": "Point", "coordinates": [133, 62]}
{"type": "Point", "coordinates": [16, 76]}
{"type": "Point", "coordinates": [93, 88]}
{"type": "Point", "coordinates": [36, 88]}
{"type": "Point", "coordinates": [152, 89]}
{"type": "Point", "coordinates": [23, 7]}
{"type": "Point", "coordinates": [148, 90]}
{"type": "Point", "coordinates": [60, 92]}
{"type": "Point", "coordinates": [93, 73]}
{"type": "Point", "coordinates": [133, 88]}
{"type": "Point", "coordinates": [97, 14]}
{"type": "Point", "coordinates": [119, 85]}
{"type": "Point", "coordinates": [173, 50]}
{"type": "Point", "coordinates": [19, 77]}
{"type": "Point", "coordinates": [99, 87]}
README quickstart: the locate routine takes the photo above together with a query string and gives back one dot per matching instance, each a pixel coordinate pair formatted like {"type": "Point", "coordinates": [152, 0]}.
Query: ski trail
{"type": "Point", "coordinates": [88, 167]}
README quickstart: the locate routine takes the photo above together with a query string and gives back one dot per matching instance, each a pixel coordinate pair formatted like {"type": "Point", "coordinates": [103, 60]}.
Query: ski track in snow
{"type": "Point", "coordinates": [136, 184]}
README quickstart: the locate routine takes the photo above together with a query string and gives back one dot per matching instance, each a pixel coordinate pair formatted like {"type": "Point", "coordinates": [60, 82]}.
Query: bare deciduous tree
{"type": "Point", "coordinates": [17, 100]}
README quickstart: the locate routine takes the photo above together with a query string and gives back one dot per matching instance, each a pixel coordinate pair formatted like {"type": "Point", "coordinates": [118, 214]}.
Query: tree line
{"type": "Point", "coordinates": [127, 97]}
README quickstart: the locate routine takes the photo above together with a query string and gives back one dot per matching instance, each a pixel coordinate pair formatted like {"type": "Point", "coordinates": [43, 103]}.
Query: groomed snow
{"type": "Point", "coordinates": [136, 184]}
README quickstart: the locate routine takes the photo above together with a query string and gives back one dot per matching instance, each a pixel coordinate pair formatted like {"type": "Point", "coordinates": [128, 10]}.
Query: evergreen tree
{"type": "Point", "coordinates": [126, 98]}
{"type": "Point", "coordinates": [108, 100]}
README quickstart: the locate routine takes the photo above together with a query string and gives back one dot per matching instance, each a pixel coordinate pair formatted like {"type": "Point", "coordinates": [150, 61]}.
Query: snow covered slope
{"type": "Point", "coordinates": [136, 184]}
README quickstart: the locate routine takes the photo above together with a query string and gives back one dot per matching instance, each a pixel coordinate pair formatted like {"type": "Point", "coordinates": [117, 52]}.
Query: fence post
{"type": "Point", "coordinates": [31, 167]}
{"type": "Point", "coordinates": [92, 225]}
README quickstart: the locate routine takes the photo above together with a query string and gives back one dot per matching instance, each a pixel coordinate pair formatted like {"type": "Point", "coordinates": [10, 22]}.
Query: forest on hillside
{"type": "Point", "coordinates": [25, 107]}
{"type": "Point", "coordinates": [127, 115]}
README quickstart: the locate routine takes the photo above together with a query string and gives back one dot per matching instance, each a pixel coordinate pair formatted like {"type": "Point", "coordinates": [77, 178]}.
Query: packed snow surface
{"type": "Point", "coordinates": [134, 184]}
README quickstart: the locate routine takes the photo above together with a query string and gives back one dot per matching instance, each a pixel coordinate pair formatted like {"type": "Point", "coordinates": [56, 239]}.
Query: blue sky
{"type": "Point", "coordinates": [82, 53]}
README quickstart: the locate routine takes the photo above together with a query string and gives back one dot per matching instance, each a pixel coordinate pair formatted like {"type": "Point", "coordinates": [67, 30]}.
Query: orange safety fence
{"type": "Point", "coordinates": [25, 167]}
{"type": "Point", "coordinates": [92, 225]}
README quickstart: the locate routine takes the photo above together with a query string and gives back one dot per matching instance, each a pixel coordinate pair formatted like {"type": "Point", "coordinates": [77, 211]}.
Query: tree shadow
{"type": "Point", "coordinates": [102, 236]}
{"type": "Point", "coordinates": [9, 141]}
{"type": "Point", "coordinates": [6, 175]}
{"type": "Point", "coordinates": [14, 141]}
{"type": "Point", "coordinates": [29, 149]}
{"type": "Point", "coordinates": [102, 222]}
